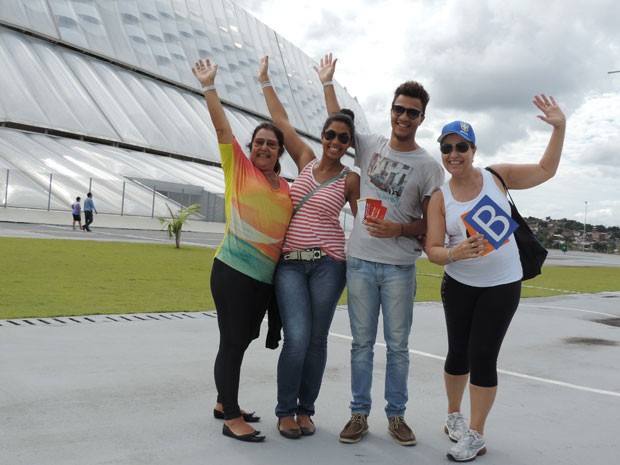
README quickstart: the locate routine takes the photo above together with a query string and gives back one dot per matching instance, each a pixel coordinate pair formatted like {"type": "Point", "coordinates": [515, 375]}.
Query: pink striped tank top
{"type": "Point", "coordinates": [317, 223]}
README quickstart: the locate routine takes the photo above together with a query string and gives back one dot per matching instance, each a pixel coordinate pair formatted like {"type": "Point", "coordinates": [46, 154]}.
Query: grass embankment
{"type": "Point", "coordinates": [44, 278]}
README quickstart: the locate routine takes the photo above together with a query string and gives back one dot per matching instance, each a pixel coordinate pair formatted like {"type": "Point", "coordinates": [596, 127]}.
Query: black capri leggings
{"type": "Point", "coordinates": [477, 319]}
{"type": "Point", "coordinates": [241, 303]}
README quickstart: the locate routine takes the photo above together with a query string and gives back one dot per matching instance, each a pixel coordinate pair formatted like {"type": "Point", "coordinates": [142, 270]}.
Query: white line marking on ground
{"type": "Point", "coordinates": [505, 372]}
{"type": "Point", "coordinates": [568, 308]}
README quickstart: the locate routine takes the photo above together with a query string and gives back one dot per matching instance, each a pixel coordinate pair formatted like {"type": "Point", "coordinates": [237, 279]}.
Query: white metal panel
{"type": "Point", "coordinates": [114, 15]}
{"type": "Point", "coordinates": [34, 15]}
{"type": "Point", "coordinates": [93, 28]}
{"type": "Point", "coordinates": [68, 23]}
{"type": "Point", "coordinates": [103, 86]}
{"type": "Point", "coordinates": [18, 102]}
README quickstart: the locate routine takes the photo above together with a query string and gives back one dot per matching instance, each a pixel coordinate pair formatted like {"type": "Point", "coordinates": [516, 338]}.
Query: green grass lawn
{"type": "Point", "coordinates": [44, 278]}
{"type": "Point", "coordinates": [62, 277]}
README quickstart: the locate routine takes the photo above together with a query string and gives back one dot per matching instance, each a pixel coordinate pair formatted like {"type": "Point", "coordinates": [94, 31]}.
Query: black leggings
{"type": "Point", "coordinates": [477, 319]}
{"type": "Point", "coordinates": [241, 303]}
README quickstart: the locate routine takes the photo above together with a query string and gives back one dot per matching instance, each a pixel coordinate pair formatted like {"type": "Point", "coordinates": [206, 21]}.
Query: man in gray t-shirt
{"type": "Point", "coordinates": [382, 252]}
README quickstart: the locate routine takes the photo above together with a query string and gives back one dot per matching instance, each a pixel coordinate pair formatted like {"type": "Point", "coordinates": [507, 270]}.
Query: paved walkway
{"type": "Point", "coordinates": [138, 389]}
{"type": "Point", "coordinates": [64, 219]}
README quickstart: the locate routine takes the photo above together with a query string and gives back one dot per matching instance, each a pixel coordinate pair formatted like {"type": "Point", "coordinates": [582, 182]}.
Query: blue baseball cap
{"type": "Point", "coordinates": [461, 128]}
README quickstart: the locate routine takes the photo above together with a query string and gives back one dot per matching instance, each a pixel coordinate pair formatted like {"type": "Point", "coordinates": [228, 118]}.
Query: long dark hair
{"type": "Point", "coordinates": [279, 135]}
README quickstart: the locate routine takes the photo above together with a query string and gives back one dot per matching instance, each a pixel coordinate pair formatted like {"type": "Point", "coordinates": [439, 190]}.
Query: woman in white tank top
{"type": "Point", "coordinates": [482, 280]}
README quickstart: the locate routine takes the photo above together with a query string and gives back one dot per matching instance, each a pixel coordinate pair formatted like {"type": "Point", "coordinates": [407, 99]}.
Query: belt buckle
{"type": "Point", "coordinates": [311, 254]}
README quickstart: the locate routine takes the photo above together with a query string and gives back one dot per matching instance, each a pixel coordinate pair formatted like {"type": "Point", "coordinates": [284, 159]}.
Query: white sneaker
{"type": "Point", "coordinates": [468, 448]}
{"type": "Point", "coordinates": [455, 426]}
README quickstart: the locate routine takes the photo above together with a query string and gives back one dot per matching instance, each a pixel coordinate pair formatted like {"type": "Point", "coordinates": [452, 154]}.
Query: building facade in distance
{"type": "Point", "coordinates": [99, 96]}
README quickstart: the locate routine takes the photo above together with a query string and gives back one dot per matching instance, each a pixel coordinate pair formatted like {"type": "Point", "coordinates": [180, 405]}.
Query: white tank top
{"type": "Point", "coordinates": [500, 266]}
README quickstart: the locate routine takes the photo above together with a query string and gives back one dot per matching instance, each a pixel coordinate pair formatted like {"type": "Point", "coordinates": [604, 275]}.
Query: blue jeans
{"type": "Point", "coordinates": [371, 286]}
{"type": "Point", "coordinates": [307, 292]}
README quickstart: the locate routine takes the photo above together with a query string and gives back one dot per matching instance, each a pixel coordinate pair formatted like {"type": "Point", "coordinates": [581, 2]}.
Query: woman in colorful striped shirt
{"type": "Point", "coordinates": [258, 211]}
{"type": "Point", "coordinates": [311, 274]}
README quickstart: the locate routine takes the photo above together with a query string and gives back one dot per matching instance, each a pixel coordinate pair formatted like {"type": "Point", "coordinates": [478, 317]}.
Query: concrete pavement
{"type": "Point", "coordinates": [138, 389]}
{"type": "Point", "coordinates": [63, 219]}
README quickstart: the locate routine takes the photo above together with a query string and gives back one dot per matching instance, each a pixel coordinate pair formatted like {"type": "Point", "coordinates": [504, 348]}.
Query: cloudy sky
{"type": "Point", "coordinates": [482, 62]}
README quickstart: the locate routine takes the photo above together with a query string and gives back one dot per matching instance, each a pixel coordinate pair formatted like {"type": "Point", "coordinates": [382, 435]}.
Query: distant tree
{"type": "Point", "coordinates": [573, 225]}
{"type": "Point", "coordinates": [174, 224]}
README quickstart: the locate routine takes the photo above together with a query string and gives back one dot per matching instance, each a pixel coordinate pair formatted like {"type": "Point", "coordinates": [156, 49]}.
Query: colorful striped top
{"type": "Point", "coordinates": [317, 223]}
{"type": "Point", "coordinates": [257, 216]}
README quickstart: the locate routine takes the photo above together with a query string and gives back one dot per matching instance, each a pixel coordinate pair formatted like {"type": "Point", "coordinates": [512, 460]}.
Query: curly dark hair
{"type": "Point", "coordinates": [413, 89]}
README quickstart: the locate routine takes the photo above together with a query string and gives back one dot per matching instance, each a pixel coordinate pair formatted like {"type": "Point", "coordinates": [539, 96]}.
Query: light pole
{"type": "Point", "coordinates": [585, 217]}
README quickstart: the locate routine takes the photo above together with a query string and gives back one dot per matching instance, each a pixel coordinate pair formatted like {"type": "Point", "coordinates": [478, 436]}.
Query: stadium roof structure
{"type": "Point", "coordinates": [99, 95]}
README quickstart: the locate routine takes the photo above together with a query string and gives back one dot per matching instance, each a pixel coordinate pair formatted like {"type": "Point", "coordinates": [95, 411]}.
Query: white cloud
{"type": "Point", "coordinates": [483, 63]}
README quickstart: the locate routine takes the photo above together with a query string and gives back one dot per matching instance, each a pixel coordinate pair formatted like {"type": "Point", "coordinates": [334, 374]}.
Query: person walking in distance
{"type": "Point", "coordinates": [89, 208]}
{"type": "Point", "coordinates": [76, 211]}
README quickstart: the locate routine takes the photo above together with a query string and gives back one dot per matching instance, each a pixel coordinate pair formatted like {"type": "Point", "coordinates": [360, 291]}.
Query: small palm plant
{"type": "Point", "coordinates": [175, 223]}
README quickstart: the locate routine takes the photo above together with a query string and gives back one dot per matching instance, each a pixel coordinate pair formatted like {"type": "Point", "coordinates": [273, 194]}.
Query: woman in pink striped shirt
{"type": "Point", "coordinates": [311, 274]}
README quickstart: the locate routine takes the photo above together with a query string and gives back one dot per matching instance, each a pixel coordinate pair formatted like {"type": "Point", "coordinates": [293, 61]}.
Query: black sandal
{"type": "Point", "coordinates": [247, 417]}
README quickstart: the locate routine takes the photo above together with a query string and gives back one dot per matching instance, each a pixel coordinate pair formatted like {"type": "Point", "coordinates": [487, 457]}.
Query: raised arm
{"type": "Point", "coordinates": [300, 152]}
{"type": "Point", "coordinates": [205, 73]}
{"type": "Point", "coordinates": [524, 176]}
{"type": "Point", "coordinates": [326, 72]}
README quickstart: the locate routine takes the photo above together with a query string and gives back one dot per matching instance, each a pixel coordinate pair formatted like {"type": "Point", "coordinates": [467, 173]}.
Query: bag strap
{"type": "Point", "coordinates": [344, 172]}
{"type": "Point", "coordinates": [496, 174]}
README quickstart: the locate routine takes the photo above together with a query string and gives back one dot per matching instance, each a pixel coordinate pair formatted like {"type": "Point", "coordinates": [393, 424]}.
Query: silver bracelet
{"type": "Point", "coordinates": [450, 259]}
{"type": "Point", "coordinates": [328, 83]}
{"type": "Point", "coordinates": [265, 84]}
{"type": "Point", "coordinates": [208, 88]}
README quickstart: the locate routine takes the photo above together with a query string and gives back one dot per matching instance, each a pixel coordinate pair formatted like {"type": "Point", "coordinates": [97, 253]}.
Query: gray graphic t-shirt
{"type": "Point", "coordinates": [401, 180]}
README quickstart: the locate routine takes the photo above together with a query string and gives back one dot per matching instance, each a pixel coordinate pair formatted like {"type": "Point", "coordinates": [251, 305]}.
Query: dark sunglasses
{"type": "Point", "coordinates": [343, 137]}
{"type": "Point", "coordinates": [461, 147]}
{"type": "Point", "coordinates": [412, 113]}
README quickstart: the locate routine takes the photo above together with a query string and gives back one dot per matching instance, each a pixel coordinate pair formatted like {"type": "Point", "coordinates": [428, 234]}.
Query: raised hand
{"type": "Point", "coordinates": [205, 72]}
{"type": "Point", "coordinates": [327, 68]}
{"type": "Point", "coordinates": [553, 114]}
{"type": "Point", "coordinates": [263, 70]}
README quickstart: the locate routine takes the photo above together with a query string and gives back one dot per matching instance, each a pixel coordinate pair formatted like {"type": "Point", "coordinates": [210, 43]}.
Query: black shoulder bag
{"type": "Point", "coordinates": [531, 252]}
